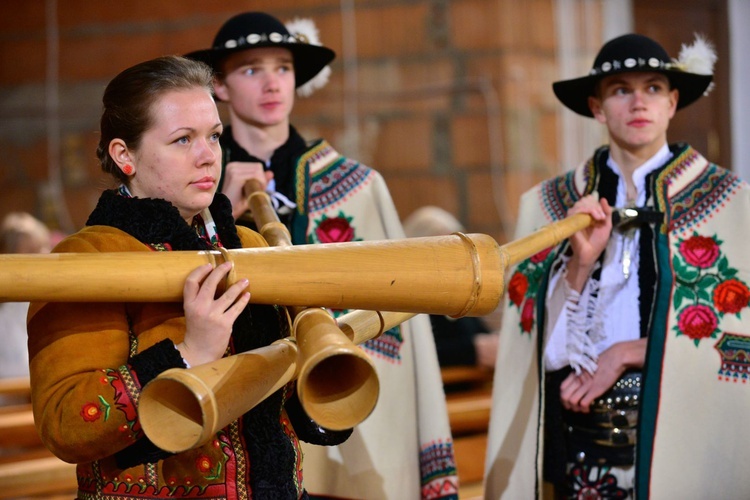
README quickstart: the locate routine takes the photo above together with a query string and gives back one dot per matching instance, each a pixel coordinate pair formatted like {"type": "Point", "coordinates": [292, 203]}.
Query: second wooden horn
{"type": "Point", "coordinates": [337, 384]}
{"type": "Point", "coordinates": [183, 408]}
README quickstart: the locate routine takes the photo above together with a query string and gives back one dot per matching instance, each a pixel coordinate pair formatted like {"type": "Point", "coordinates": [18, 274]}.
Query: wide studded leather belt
{"type": "Point", "coordinates": [607, 434]}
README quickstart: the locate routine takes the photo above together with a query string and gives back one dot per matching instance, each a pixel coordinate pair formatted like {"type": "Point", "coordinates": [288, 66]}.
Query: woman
{"type": "Point", "coordinates": [160, 134]}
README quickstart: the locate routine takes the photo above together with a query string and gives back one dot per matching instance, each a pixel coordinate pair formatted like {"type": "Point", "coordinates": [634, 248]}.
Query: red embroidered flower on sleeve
{"type": "Point", "coordinates": [91, 412]}
{"type": "Point", "coordinates": [203, 463]}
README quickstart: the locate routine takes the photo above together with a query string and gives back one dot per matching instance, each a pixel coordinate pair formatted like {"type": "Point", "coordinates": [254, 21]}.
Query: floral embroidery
{"type": "Point", "coordinates": [90, 412]}
{"type": "Point", "coordinates": [731, 296]}
{"type": "Point", "coordinates": [708, 285]}
{"type": "Point", "coordinates": [599, 485]}
{"type": "Point", "coordinates": [333, 230]}
{"type": "Point", "coordinates": [161, 247]}
{"type": "Point", "coordinates": [523, 286]}
{"type": "Point", "coordinates": [527, 315]}
{"type": "Point", "coordinates": [203, 463]}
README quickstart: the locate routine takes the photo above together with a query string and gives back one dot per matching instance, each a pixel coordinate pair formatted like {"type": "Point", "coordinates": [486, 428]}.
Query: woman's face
{"type": "Point", "coordinates": [179, 157]}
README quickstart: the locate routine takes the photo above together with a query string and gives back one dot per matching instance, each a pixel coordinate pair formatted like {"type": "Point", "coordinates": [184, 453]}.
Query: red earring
{"type": "Point", "coordinates": [128, 170]}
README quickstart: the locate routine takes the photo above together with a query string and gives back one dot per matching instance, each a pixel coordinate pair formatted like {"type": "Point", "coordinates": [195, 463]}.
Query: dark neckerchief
{"type": "Point", "coordinates": [283, 160]}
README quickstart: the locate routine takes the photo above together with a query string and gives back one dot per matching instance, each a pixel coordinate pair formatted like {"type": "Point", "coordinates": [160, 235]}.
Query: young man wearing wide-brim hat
{"type": "Point", "coordinates": [404, 448]}
{"type": "Point", "coordinates": [618, 372]}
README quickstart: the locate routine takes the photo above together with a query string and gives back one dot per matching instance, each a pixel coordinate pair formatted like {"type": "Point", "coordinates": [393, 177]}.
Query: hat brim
{"type": "Point", "coordinates": [575, 93]}
{"type": "Point", "coordinates": [309, 59]}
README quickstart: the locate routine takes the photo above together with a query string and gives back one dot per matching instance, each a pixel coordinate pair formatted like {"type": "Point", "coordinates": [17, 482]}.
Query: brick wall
{"type": "Point", "coordinates": [452, 102]}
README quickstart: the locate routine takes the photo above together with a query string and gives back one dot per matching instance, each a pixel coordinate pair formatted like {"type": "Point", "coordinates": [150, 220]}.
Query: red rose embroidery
{"type": "Point", "coordinates": [697, 322]}
{"type": "Point", "coordinates": [700, 251]}
{"type": "Point", "coordinates": [90, 412]}
{"type": "Point", "coordinates": [203, 463]}
{"type": "Point", "coordinates": [731, 296]}
{"type": "Point", "coordinates": [539, 257]}
{"type": "Point", "coordinates": [336, 230]}
{"type": "Point", "coordinates": [517, 288]}
{"type": "Point", "coordinates": [527, 315]}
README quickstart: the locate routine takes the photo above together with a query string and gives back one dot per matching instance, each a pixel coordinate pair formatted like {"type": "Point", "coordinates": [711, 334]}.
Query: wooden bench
{"type": "Point", "coordinates": [469, 401]}
{"type": "Point", "coordinates": [27, 468]}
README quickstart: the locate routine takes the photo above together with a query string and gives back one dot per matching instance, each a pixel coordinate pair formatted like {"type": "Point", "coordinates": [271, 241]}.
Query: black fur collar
{"type": "Point", "coordinates": [153, 221]}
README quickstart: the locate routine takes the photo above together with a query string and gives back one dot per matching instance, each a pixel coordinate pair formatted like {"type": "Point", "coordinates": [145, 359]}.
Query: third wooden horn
{"type": "Point", "coordinates": [337, 382]}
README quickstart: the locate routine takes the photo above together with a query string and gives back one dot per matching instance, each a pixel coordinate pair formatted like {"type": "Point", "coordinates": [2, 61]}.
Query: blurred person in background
{"type": "Point", "coordinates": [20, 232]}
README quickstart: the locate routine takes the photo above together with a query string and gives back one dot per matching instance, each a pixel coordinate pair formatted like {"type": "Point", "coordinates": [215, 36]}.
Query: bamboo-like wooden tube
{"type": "Point", "coordinates": [455, 275]}
{"type": "Point", "coordinates": [545, 237]}
{"type": "Point", "coordinates": [182, 408]}
{"type": "Point", "coordinates": [338, 385]}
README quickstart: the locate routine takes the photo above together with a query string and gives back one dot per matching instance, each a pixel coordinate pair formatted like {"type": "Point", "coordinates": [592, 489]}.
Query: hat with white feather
{"type": "Point", "coordinates": [691, 73]}
{"type": "Point", "coordinates": [252, 30]}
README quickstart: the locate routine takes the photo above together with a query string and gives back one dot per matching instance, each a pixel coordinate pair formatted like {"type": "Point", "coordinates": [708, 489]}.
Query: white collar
{"type": "Point", "coordinates": [639, 175]}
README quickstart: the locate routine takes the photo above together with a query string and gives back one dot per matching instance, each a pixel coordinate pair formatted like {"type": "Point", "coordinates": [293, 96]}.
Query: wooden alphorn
{"type": "Point", "coordinates": [456, 275]}
{"type": "Point", "coordinates": [337, 382]}
{"type": "Point", "coordinates": [193, 404]}
{"type": "Point", "coordinates": [182, 408]}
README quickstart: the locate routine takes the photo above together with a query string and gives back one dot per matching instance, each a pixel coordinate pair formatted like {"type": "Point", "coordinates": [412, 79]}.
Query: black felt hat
{"type": "Point", "coordinates": [691, 74]}
{"type": "Point", "coordinates": [252, 30]}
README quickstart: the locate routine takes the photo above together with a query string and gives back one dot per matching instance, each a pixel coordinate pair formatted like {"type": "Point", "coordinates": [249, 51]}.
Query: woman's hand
{"type": "Point", "coordinates": [588, 244]}
{"type": "Point", "coordinates": [209, 319]}
{"type": "Point", "coordinates": [236, 174]}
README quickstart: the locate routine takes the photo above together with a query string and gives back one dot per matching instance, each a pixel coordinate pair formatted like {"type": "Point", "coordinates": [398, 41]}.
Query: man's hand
{"type": "Point", "coordinates": [577, 392]}
{"type": "Point", "coordinates": [588, 244]}
{"type": "Point", "coordinates": [236, 174]}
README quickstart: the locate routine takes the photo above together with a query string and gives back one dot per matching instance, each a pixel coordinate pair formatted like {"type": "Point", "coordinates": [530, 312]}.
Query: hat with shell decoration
{"type": "Point", "coordinates": [691, 73]}
{"type": "Point", "coordinates": [252, 30]}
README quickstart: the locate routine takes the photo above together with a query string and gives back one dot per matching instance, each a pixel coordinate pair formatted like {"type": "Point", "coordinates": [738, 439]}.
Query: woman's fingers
{"type": "Point", "coordinates": [195, 279]}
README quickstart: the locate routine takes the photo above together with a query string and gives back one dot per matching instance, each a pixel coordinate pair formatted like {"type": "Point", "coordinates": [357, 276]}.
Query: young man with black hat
{"type": "Point", "coordinates": [618, 345]}
{"type": "Point", "coordinates": [404, 449]}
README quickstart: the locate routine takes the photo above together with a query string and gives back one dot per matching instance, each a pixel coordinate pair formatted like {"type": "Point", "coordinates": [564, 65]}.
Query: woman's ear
{"type": "Point", "coordinates": [120, 153]}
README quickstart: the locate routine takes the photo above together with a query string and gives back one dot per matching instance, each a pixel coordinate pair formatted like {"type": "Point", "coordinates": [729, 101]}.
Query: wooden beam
{"type": "Point", "coordinates": [41, 476]}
